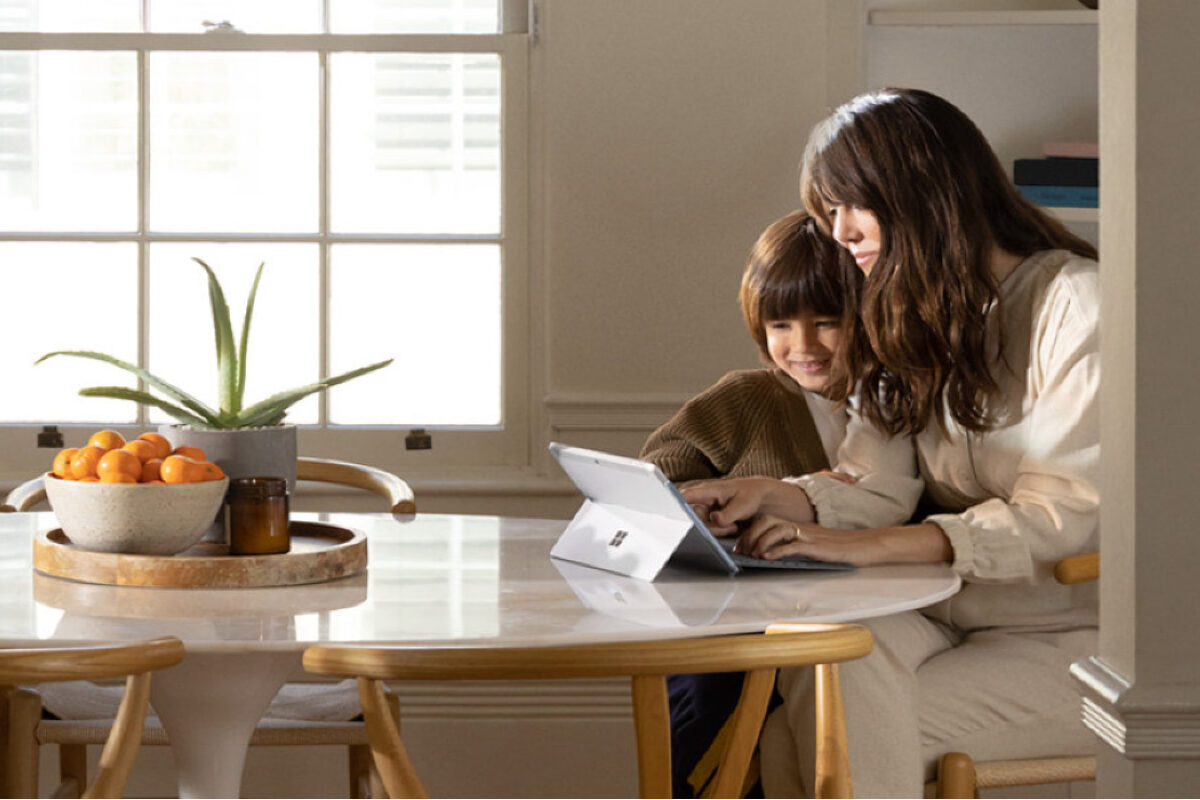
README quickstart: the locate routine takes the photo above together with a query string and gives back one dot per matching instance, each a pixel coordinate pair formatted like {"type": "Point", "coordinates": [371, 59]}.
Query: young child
{"type": "Point", "coordinates": [774, 422]}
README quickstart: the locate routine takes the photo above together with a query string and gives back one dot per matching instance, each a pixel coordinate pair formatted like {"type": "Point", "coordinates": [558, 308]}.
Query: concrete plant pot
{"type": "Point", "coordinates": [241, 453]}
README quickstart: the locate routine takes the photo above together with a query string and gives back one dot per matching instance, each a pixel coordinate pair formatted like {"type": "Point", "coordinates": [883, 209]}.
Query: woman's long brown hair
{"type": "Point", "coordinates": [919, 348]}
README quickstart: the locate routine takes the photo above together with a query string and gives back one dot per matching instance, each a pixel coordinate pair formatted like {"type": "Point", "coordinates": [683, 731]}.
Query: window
{"type": "Point", "coordinates": [370, 152]}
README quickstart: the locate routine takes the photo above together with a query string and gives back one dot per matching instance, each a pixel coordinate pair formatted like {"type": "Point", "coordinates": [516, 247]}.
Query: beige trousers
{"type": "Point", "coordinates": [927, 689]}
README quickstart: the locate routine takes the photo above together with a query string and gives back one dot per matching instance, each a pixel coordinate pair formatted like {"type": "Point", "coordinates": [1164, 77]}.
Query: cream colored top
{"type": "Point", "coordinates": [830, 421]}
{"type": "Point", "coordinates": [1020, 496]}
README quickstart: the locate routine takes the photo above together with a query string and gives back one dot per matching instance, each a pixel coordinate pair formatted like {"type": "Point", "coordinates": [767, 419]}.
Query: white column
{"type": "Point", "coordinates": [210, 705]}
{"type": "Point", "coordinates": [1142, 691]}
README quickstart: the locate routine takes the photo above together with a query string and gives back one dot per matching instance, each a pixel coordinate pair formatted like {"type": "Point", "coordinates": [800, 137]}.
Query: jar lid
{"type": "Point", "coordinates": [258, 486]}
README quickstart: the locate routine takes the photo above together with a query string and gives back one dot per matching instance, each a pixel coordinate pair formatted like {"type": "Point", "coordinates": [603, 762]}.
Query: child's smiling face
{"type": "Point", "coordinates": [804, 347]}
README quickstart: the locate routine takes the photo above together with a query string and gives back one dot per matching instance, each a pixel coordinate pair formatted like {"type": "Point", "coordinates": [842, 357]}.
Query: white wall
{"type": "Point", "coordinates": [671, 135]}
{"type": "Point", "coordinates": [673, 131]}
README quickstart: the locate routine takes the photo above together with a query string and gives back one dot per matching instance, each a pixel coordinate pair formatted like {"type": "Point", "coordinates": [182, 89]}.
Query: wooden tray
{"type": "Point", "coordinates": [319, 553]}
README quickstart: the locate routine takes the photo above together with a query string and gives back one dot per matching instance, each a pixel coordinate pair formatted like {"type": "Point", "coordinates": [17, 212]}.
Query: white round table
{"type": "Point", "coordinates": [430, 579]}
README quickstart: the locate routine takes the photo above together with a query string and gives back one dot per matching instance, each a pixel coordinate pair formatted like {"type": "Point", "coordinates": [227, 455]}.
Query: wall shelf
{"type": "Point", "coordinates": [1023, 75]}
{"type": "Point", "coordinates": [943, 18]}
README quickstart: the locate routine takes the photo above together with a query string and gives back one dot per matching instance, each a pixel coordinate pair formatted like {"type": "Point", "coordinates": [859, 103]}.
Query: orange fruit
{"type": "Point", "coordinates": [107, 440]}
{"type": "Point", "coordinates": [85, 461]}
{"type": "Point", "coordinates": [142, 449]}
{"type": "Point", "coordinates": [211, 472]}
{"type": "Point", "coordinates": [178, 469]}
{"type": "Point", "coordinates": [119, 462]}
{"type": "Point", "coordinates": [150, 471]}
{"type": "Point", "coordinates": [89, 479]}
{"type": "Point", "coordinates": [117, 477]}
{"type": "Point", "coordinates": [62, 463]}
{"type": "Point", "coordinates": [162, 447]}
{"type": "Point", "coordinates": [194, 453]}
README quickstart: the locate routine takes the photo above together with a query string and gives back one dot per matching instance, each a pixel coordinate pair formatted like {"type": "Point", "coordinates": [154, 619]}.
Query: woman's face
{"type": "Point", "coordinates": [857, 230]}
{"type": "Point", "coordinates": [804, 347]}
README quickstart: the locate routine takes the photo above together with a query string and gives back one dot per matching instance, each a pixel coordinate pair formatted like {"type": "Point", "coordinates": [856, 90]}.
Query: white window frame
{"type": "Point", "coordinates": [454, 447]}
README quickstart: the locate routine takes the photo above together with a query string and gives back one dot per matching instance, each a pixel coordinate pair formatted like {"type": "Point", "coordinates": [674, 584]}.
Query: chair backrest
{"type": "Point", "coordinates": [646, 663]}
{"type": "Point", "coordinates": [394, 489]}
{"type": "Point", "coordinates": [1078, 569]}
{"type": "Point", "coordinates": [391, 487]}
{"type": "Point", "coordinates": [135, 662]}
{"type": "Point", "coordinates": [25, 497]}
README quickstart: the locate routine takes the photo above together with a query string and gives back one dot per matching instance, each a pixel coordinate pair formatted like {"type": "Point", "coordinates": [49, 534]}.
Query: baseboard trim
{"type": "Point", "coordinates": [1138, 721]}
{"type": "Point", "coordinates": [574, 413]}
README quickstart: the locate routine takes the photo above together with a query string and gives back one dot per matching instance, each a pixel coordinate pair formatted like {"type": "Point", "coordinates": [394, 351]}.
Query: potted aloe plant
{"type": "Point", "coordinates": [243, 439]}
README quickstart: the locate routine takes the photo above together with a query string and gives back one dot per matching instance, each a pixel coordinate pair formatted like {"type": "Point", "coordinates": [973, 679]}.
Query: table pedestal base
{"type": "Point", "coordinates": [210, 705]}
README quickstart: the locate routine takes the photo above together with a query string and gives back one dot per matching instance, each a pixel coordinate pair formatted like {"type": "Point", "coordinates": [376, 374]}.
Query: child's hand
{"type": "Point", "coordinates": [733, 500]}
{"type": "Point", "coordinates": [701, 511]}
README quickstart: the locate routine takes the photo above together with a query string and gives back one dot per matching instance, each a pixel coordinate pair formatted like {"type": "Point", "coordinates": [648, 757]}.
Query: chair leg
{"type": "Point", "coordinates": [832, 768]}
{"type": "Point", "coordinates": [375, 787]}
{"type": "Point", "coordinates": [956, 776]}
{"type": "Point", "coordinates": [393, 704]}
{"type": "Point", "coordinates": [21, 758]}
{"type": "Point", "coordinates": [387, 749]}
{"type": "Point", "coordinates": [652, 729]}
{"type": "Point", "coordinates": [364, 775]}
{"type": "Point", "coordinates": [72, 768]}
{"type": "Point", "coordinates": [741, 745]}
{"type": "Point", "coordinates": [124, 739]}
{"type": "Point", "coordinates": [360, 771]}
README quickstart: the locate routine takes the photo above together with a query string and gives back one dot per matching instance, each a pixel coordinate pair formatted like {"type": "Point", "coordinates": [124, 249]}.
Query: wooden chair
{"type": "Point", "coordinates": [391, 487]}
{"type": "Point", "coordinates": [73, 735]}
{"type": "Point", "coordinates": [23, 708]}
{"type": "Point", "coordinates": [646, 664]}
{"type": "Point", "coordinates": [959, 775]}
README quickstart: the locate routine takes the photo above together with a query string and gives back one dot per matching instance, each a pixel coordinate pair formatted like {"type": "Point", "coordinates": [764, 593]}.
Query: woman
{"type": "Point", "coordinates": [973, 373]}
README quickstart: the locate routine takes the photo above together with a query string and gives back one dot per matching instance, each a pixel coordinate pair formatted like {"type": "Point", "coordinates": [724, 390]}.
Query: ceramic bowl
{"type": "Point", "coordinates": [141, 518]}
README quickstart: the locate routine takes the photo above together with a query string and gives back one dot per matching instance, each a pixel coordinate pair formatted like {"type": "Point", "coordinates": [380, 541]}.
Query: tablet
{"type": "Point", "coordinates": [634, 520]}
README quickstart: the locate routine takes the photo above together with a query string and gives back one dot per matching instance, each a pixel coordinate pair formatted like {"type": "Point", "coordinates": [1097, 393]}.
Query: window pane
{"type": "Point", "coordinates": [67, 296]}
{"type": "Point", "coordinates": [233, 142]}
{"type": "Point", "coordinates": [414, 16]}
{"type": "Point", "coordinates": [436, 310]}
{"type": "Point", "coordinates": [415, 143]}
{"type": "Point", "coordinates": [68, 141]}
{"type": "Point", "coordinates": [248, 16]}
{"type": "Point", "coordinates": [69, 16]}
{"type": "Point", "coordinates": [284, 335]}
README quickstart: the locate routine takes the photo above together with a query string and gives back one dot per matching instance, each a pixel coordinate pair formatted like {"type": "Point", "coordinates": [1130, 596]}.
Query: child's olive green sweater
{"type": "Point", "coordinates": [751, 422]}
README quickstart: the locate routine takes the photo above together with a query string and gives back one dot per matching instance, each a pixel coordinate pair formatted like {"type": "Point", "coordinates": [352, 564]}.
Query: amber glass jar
{"type": "Point", "coordinates": [258, 516]}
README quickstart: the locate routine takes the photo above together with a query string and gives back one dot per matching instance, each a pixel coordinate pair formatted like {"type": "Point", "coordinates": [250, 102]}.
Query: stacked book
{"type": "Point", "coordinates": [1067, 176]}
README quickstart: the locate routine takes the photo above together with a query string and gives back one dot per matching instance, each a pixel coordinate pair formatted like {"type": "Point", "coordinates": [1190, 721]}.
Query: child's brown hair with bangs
{"type": "Point", "coordinates": [793, 268]}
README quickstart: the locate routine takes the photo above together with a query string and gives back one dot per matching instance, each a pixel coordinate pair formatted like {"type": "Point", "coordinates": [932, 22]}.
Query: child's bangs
{"type": "Point", "coordinates": [810, 285]}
